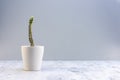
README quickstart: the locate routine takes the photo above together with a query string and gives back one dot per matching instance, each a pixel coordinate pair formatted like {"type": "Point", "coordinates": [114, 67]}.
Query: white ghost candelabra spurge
{"type": "Point", "coordinates": [32, 55]}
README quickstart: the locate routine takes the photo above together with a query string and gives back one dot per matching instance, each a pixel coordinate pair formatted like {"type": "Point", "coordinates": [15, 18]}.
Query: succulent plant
{"type": "Point", "coordinates": [30, 31]}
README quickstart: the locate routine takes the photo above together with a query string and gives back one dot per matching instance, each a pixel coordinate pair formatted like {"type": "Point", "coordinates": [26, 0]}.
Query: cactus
{"type": "Point", "coordinates": [30, 32]}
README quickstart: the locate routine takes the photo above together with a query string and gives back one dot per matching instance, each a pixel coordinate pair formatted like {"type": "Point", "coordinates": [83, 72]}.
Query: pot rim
{"type": "Point", "coordinates": [32, 46]}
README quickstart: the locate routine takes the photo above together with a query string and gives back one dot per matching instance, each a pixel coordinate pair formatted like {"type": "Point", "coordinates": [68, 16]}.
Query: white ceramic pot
{"type": "Point", "coordinates": [32, 57]}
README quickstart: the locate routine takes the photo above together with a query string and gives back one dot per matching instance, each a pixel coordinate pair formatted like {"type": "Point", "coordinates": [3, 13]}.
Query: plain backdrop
{"type": "Point", "coordinates": [69, 29]}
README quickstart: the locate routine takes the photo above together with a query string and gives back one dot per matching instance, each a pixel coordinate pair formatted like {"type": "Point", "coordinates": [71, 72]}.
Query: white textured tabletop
{"type": "Point", "coordinates": [62, 70]}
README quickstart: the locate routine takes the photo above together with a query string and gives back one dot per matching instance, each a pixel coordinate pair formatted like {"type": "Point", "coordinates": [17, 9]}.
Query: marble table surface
{"type": "Point", "coordinates": [62, 70]}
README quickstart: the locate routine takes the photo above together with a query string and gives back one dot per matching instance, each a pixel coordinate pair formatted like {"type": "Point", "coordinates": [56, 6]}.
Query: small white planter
{"type": "Point", "coordinates": [32, 57]}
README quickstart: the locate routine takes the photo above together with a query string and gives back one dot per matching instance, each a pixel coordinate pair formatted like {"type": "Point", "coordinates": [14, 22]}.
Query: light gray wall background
{"type": "Point", "coordinates": [69, 29]}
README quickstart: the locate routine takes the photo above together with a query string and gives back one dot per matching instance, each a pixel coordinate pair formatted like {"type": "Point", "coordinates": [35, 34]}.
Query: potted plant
{"type": "Point", "coordinates": [32, 55]}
